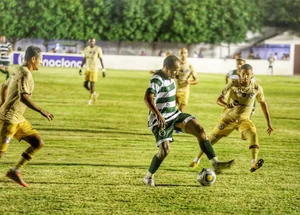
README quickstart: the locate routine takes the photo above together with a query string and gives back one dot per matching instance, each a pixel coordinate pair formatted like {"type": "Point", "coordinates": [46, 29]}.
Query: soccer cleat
{"type": "Point", "coordinates": [219, 166]}
{"type": "Point", "coordinates": [95, 97]}
{"type": "Point", "coordinates": [89, 102]}
{"type": "Point", "coordinates": [149, 181]}
{"type": "Point", "coordinates": [16, 176]}
{"type": "Point", "coordinates": [253, 112]}
{"type": "Point", "coordinates": [257, 164]}
{"type": "Point", "coordinates": [195, 164]}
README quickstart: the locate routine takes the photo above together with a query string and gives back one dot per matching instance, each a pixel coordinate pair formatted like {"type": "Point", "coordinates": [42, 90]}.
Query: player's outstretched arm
{"type": "Point", "coordinates": [25, 98]}
{"type": "Point", "coordinates": [265, 110]}
{"type": "Point", "coordinates": [149, 100]}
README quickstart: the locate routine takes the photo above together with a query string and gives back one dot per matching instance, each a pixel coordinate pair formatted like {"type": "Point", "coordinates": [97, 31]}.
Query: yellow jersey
{"type": "Point", "coordinates": [21, 81]}
{"type": "Point", "coordinates": [243, 99]}
{"type": "Point", "coordinates": [185, 72]}
{"type": "Point", "coordinates": [92, 55]}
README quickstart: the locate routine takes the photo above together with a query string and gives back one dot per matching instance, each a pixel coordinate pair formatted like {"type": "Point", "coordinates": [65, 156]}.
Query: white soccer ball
{"type": "Point", "coordinates": [206, 177]}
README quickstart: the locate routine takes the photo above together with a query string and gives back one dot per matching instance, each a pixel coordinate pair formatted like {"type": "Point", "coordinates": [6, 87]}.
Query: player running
{"type": "Point", "coordinates": [237, 114]}
{"type": "Point", "coordinates": [18, 91]}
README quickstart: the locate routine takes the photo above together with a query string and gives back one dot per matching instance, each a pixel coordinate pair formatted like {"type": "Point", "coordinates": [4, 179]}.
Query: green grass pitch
{"type": "Point", "coordinates": [95, 157]}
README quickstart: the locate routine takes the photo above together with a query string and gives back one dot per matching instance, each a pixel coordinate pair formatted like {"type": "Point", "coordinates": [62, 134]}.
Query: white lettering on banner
{"type": "Point", "coordinates": [61, 63]}
{"type": "Point", "coordinates": [54, 63]}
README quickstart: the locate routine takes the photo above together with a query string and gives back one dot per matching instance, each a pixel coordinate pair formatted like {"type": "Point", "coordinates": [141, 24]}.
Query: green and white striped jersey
{"type": "Point", "coordinates": [165, 98]}
{"type": "Point", "coordinates": [4, 48]}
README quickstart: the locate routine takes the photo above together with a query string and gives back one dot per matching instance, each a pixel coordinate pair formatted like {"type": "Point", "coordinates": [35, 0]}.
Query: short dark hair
{"type": "Point", "coordinates": [246, 67]}
{"type": "Point", "coordinates": [170, 61]}
{"type": "Point", "coordinates": [32, 51]}
{"type": "Point", "coordinates": [240, 59]}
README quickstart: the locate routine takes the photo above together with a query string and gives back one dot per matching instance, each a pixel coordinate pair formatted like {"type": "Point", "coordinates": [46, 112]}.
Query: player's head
{"type": "Point", "coordinates": [33, 57]}
{"type": "Point", "coordinates": [246, 74]}
{"type": "Point", "coordinates": [171, 65]}
{"type": "Point", "coordinates": [3, 39]}
{"type": "Point", "coordinates": [92, 42]}
{"type": "Point", "coordinates": [239, 63]}
{"type": "Point", "coordinates": [183, 54]}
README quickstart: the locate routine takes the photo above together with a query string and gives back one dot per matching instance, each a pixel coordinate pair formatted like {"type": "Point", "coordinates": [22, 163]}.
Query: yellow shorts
{"type": "Point", "coordinates": [17, 131]}
{"type": "Point", "coordinates": [224, 128]}
{"type": "Point", "coordinates": [91, 76]}
{"type": "Point", "coordinates": [182, 97]}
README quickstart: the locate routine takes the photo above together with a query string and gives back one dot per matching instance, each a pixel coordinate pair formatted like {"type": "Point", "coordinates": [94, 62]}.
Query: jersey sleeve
{"type": "Point", "coordinates": [260, 94]}
{"type": "Point", "coordinates": [226, 89]}
{"type": "Point", "coordinates": [85, 52]}
{"type": "Point", "coordinates": [154, 85]}
{"type": "Point", "coordinates": [25, 84]}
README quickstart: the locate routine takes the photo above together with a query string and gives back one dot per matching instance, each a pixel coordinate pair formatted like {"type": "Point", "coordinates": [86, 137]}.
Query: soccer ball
{"type": "Point", "coordinates": [206, 177]}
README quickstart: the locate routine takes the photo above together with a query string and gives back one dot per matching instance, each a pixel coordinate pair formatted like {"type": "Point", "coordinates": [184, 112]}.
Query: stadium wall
{"type": "Point", "coordinates": [123, 62]}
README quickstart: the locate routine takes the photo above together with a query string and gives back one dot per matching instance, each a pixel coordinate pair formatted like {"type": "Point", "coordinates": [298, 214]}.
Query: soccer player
{"type": "Point", "coordinates": [91, 55]}
{"type": "Point", "coordinates": [237, 114]}
{"type": "Point", "coordinates": [164, 118]}
{"type": "Point", "coordinates": [183, 80]}
{"type": "Point", "coordinates": [12, 122]}
{"type": "Point", "coordinates": [234, 76]}
{"type": "Point", "coordinates": [5, 50]}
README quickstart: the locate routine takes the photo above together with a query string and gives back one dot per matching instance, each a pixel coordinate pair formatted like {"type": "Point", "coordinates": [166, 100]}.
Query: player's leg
{"type": "Point", "coordinates": [86, 85]}
{"type": "Point", "coordinates": [93, 79]}
{"type": "Point", "coordinates": [2, 67]}
{"type": "Point", "coordinates": [195, 163]}
{"type": "Point", "coordinates": [6, 69]}
{"type": "Point", "coordinates": [7, 131]}
{"type": "Point", "coordinates": [191, 126]}
{"type": "Point", "coordinates": [31, 136]}
{"type": "Point", "coordinates": [164, 149]}
{"type": "Point", "coordinates": [163, 138]}
{"type": "Point", "coordinates": [86, 80]}
{"type": "Point", "coordinates": [248, 129]}
{"type": "Point", "coordinates": [222, 129]}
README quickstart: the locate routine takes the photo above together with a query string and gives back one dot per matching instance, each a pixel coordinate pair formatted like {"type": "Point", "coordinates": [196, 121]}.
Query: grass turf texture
{"type": "Point", "coordinates": [95, 157]}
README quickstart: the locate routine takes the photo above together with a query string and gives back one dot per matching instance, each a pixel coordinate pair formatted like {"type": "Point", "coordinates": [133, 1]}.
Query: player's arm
{"type": "Point", "coordinates": [25, 98]}
{"type": "Point", "coordinates": [226, 79]}
{"type": "Point", "coordinates": [261, 99]}
{"type": "Point", "coordinates": [103, 69]}
{"type": "Point", "coordinates": [101, 62]}
{"type": "Point", "coordinates": [194, 76]}
{"type": "Point", "coordinates": [221, 98]}
{"type": "Point", "coordinates": [82, 64]}
{"type": "Point", "coordinates": [149, 100]}
{"type": "Point", "coordinates": [4, 92]}
{"type": "Point", "coordinates": [265, 110]}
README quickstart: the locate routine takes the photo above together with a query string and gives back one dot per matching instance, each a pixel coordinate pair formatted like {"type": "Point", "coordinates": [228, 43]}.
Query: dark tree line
{"type": "Point", "coordinates": [186, 21]}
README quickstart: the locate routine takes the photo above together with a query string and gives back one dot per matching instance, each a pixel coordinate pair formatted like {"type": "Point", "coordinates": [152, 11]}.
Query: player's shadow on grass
{"type": "Point", "coordinates": [286, 118]}
{"type": "Point", "coordinates": [177, 185]}
{"type": "Point", "coordinates": [102, 130]}
{"type": "Point", "coordinates": [129, 166]}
